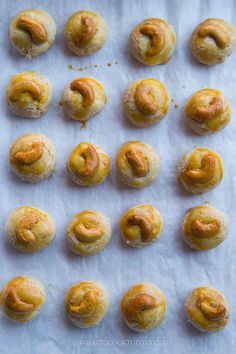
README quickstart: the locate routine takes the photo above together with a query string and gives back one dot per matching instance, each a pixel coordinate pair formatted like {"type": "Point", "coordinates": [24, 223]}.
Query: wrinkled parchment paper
{"type": "Point", "coordinates": [169, 263]}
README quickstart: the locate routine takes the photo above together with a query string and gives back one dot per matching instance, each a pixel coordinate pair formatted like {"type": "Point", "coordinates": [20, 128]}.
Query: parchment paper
{"type": "Point", "coordinates": [169, 263]}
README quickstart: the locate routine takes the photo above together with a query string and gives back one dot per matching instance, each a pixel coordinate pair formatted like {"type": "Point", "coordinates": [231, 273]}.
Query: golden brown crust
{"type": "Point", "coordinates": [32, 32]}
{"type": "Point", "coordinates": [137, 164]}
{"type": "Point", "coordinates": [200, 170]}
{"type": "Point", "coordinates": [213, 41]}
{"type": "Point", "coordinates": [29, 229]}
{"type": "Point", "coordinates": [86, 304]}
{"type": "Point", "coordinates": [146, 102]}
{"type": "Point", "coordinates": [22, 298]}
{"type": "Point", "coordinates": [88, 232]}
{"type": "Point", "coordinates": [207, 111]}
{"type": "Point", "coordinates": [140, 225]}
{"type": "Point", "coordinates": [85, 32]}
{"type": "Point", "coordinates": [143, 307]}
{"type": "Point", "coordinates": [33, 157]}
{"type": "Point", "coordinates": [204, 227]}
{"type": "Point", "coordinates": [207, 309]}
{"type": "Point", "coordinates": [88, 164]}
{"type": "Point", "coordinates": [83, 98]}
{"type": "Point", "coordinates": [152, 41]}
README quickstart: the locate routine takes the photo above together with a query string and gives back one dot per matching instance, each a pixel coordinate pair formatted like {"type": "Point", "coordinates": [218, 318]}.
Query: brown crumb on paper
{"type": "Point", "coordinates": [109, 65]}
{"type": "Point", "coordinates": [176, 105]}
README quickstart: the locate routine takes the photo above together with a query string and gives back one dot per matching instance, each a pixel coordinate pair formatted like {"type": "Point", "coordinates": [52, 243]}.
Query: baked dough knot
{"type": "Point", "coordinates": [211, 304]}
{"type": "Point", "coordinates": [34, 28]}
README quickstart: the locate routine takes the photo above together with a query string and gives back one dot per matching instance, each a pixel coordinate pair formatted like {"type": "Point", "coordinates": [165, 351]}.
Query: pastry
{"type": "Point", "coordinates": [141, 225]}
{"type": "Point", "coordinates": [207, 309]}
{"type": "Point", "coordinates": [21, 298]}
{"type": "Point", "coordinates": [33, 157]}
{"type": "Point", "coordinates": [29, 94]}
{"type": "Point", "coordinates": [204, 227]}
{"type": "Point", "coordinates": [213, 41]}
{"type": "Point", "coordinates": [85, 32]}
{"type": "Point", "coordinates": [88, 164]}
{"type": "Point", "coordinates": [88, 233]}
{"type": "Point", "coordinates": [146, 102]}
{"type": "Point", "coordinates": [86, 304]}
{"type": "Point", "coordinates": [137, 164]}
{"type": "Point", "coordinates": [29, 229]}
{"type": "Point", "coordinates": [207, 111]}
{"type": "Point", "coordinates": [200, 170]}
{"type": "Point", "coordinates": [32, 32]}
{"type": "Point", "coordinates": [152, 41]}
{"type": "Point", "coordinates": [143, 307]}
{"type": "Point", "coordinates": [83, 98]}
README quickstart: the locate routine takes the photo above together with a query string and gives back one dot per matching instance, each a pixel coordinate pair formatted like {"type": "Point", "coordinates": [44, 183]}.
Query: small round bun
{"type": "Point", "coordinates": [141, 225]}
{"type": "Point", "coordinates": [137, 164]}
{"type": "Point", "coordinates": [29, 229]}
{"type": "Point", "coordinates": [32, 32]}
{"type": "Point", "coordinates": [213, 41]}
{"type": "Point", "coordinates": [152, 41]}
{"type": "Point", "coordinates": [207, 309]}
{"type": "Point", "coordinates": [88, 233]}
{"type": "Point", "coordinates": [204, 227]}
{"type": "Point", "coordinates": [29, 94]}
{"type": "Point", "coordinates": [200, 170]}
{"type": "Point", "coordinates": [88, 165]}
{"type": "Point", "coordinates": [85, 32]}
{"type": "Point", "coordinates": [146, 102]}
{"type": "Point", "coordinates": [83, 98]}
{"type": "Point", "coordinates": [21, 298]}
{"type": "Point", "coordinates": [207, 111]}
{"type": "Point", "coordinates": [143, 307]}
{"type": "Point", "coordinates": [33, 157]}
{"type": "Point", "coordinates": [86, 304]}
